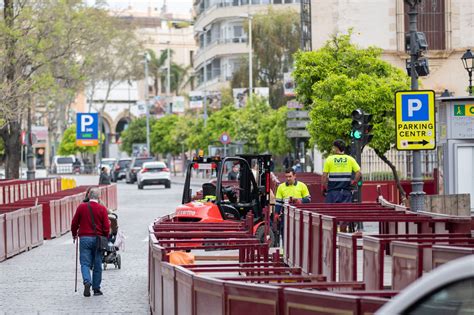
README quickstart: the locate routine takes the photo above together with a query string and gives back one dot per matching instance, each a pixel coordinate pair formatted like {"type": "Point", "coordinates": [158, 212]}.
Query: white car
{"type": "Point", "coordinates": [447, 290]}
{"type": "Point", "coordinates": [63, 164]}
{"type": "Point", "coordinates": [154, 173]}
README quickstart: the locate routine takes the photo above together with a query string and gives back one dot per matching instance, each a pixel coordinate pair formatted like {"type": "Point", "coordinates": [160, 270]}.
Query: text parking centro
{"type": "Point", "coordinates": [415, 120]}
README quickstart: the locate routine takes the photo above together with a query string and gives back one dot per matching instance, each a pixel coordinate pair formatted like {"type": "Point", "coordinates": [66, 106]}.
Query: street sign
{"type": "Point", "coordinates": [294, 104]}
{"type": "Point", "coordinates": [297, 114]}
{"type": "Point", "coordinates": [87, 129]}
{"type": "Point", "coordinates": [224, 138]}
{"type": "Point", "coordinates": [415, 120]}
{"type": "Point", "coordinates": [297, 134]}
{"type": "Point", "coordinates": [296, 123]}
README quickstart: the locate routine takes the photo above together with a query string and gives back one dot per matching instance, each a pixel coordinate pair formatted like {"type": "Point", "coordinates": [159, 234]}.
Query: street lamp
{"type": "Point", "coordinates": [468, 63]}
{"type": "Point", "coordinates": [250, 18]}
{"type": "Point", "coordinates": [204, 48]}
{"type": "Point", "coordinates": [147, 110]}
{"type": "Point", "coordinates": [168, 76]}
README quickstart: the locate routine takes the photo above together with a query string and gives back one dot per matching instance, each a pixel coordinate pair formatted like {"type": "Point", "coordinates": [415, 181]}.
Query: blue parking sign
{"type": "Point", "coordinates": [415, 123]}
{"type": "Point", "coordinates": [415, 107]}
{"type": "Point", "coordinates": [87, 129]}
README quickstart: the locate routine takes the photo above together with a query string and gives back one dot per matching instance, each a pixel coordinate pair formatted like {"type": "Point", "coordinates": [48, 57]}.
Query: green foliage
{"type": "Point", "coordinates": [341, 77]}
{"type": "Point", "coordinates": [248, 122]}
{"type": "Point", "coordinates": [271, 135]}
{"type": "Point", "coordinates": [68, 144]}
{"type": "Point", "coordinates": [275, 38]}
{"type": "Point", "coordinates": [161, 137]}
{"type": "Point", "coordinates": [135, 133]}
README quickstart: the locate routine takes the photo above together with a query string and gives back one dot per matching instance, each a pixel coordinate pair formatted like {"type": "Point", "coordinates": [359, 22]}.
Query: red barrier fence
{"type": "Point", "coordinates": [25, 223]}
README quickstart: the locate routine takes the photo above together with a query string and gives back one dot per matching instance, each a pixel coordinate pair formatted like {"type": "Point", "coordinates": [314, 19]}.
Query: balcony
{"type": "Point", "coordinates": [224, 47]}
{"type": "Point", "coordinates": [227, 10]}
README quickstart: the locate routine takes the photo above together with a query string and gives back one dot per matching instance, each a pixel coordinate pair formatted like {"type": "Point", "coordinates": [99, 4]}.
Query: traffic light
{"type": "Point", "coordinates": [361, 127]}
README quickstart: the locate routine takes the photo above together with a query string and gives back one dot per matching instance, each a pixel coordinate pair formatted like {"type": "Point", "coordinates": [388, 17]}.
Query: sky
{"type": "Point", "coordinates": [174, 6]}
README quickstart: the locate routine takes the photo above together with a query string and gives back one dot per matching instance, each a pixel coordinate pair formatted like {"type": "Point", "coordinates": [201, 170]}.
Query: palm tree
{"type": "Point", "coordinates": [156, 65]}
{"type": "Point", "coordinates": [179, 75]}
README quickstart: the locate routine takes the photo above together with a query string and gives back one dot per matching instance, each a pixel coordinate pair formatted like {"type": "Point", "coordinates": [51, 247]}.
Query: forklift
{"type": "Point", "coordinates": [223, 200]}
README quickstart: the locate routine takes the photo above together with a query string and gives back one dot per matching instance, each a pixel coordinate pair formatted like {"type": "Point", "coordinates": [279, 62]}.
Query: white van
{"type": "Point", "coordinates": [63, 164]}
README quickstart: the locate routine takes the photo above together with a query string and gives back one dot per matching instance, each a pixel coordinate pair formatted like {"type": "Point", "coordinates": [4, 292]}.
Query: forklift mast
{"type": "Point", "coordinates": [263, 179]}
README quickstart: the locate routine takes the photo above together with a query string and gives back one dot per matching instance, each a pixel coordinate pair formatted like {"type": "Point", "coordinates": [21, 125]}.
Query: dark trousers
{"type": "Point", "coordinates": [338, 196]}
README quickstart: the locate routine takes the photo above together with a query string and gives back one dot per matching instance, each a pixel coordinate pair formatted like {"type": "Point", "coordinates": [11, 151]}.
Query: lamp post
{"type": "Point", "coordinates": [250, 18]}
{"type": "Point", "coordinates": [250, 58]}
{"type": "Point", "coordinates": [417, 195]}
{"type": "Point", "coordinates": [204, 48]}
{"type": "Point", "coordinates": [168, 76]}
{"type": "Point", "coordinates": [468, 63]}
{"type": "Point", "coordinates": [147, 110]}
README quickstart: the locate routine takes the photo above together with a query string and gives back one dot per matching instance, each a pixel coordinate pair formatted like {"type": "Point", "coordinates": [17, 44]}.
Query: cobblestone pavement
{"type": "Point", "coordinates": [41, 281]}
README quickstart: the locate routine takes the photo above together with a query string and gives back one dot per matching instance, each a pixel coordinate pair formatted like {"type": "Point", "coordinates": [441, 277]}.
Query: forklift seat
{"type": "Point", "coordinates": [208, 189]}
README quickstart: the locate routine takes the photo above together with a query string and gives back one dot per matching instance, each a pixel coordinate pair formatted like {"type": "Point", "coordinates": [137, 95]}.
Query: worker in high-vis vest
{"type": "Point", "coordinates": [337, 174]}
{"type": "Point", "coordinates": [291, 191]}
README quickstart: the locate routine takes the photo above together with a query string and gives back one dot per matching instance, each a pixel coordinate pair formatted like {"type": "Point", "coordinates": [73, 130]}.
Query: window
{"type": "Point", "coordinates": [238, 31]}
{"type": "Point", "coordinates": [431, 14]}
{"type": "Point", "coordinates": [454, 299]}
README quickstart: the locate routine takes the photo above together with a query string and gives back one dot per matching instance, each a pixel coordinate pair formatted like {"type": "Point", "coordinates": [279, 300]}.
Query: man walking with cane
{"type": "Point", "coordinates": [89, 223]}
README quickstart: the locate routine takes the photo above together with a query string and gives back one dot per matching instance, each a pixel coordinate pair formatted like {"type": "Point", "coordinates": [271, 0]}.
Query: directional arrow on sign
{"type": "Point", "coordinates": [423, 142]}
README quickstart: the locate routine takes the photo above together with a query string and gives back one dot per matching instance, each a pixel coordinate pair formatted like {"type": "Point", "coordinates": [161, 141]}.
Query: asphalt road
{"type": "Point", "coordinates": [41, 281]}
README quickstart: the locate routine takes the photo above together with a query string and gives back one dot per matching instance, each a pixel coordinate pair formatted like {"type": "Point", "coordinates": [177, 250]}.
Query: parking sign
{"type": "Point", "coordinates": [87, 129]}
{"type": "Point", "coordinates": [415, 120]}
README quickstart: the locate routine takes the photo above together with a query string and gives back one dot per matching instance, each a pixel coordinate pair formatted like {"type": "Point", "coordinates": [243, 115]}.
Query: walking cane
{"type": "Point", "coordinates": [77, 244]}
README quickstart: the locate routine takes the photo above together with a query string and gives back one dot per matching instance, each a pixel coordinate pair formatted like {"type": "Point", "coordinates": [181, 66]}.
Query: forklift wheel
{"type": "Point", "coordinates": [261, 233]}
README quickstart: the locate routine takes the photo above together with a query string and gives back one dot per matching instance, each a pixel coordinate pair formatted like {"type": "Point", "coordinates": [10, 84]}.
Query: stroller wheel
{"type": "Point", "coordinates": [118, 261]}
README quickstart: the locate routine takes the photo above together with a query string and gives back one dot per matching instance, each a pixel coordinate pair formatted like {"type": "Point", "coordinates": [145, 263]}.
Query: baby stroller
{"type": "Point", "coordinates": [111, 255]}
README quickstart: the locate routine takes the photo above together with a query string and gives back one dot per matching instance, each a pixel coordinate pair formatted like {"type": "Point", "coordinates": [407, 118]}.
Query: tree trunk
{"type": "Point", "coordinates": [403, 194]}
{"type": "Point", "coordinates": [11, 138]}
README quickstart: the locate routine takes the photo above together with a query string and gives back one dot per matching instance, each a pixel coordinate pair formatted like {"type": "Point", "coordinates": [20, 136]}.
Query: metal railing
{"type": "Point", "coordinates": [374, 168]}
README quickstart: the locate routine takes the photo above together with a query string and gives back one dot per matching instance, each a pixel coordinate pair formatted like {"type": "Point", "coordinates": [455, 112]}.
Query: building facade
{"type": "Point", "coordinates": [447, 24]}
{"type": "Point", "coordinates": [159, 31]}
{"type": "Point", "coordinates": [223, 43]}
{"type": "Point", "coordinates": [449, 29]}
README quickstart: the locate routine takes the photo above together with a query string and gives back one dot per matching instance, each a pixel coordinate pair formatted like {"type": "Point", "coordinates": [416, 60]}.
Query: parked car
{"type": "Point", "coordinates": [154, 173]}
{"type": "Point", "coordinates": [447, 290]}
{"type": "Point", "coordinates": [107, 162]}
{"type": "Point", "coordinates": [134, 167]}
{"type": "Point", "coordinates": [63, 164]}
{"type": "Point", "coordinates": [120, 168]}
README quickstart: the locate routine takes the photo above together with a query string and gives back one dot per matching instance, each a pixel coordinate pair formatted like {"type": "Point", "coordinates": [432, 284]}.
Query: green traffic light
{"type": "Point", "coordinates": [356, 134]}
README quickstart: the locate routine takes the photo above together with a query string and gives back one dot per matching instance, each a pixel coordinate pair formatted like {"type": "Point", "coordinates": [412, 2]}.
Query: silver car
{"type": "Point", "coordinates": [447, 290]}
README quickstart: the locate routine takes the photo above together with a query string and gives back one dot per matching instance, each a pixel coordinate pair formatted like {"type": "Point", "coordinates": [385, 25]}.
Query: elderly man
{"type": "Point", "coordinates": [89, 222]}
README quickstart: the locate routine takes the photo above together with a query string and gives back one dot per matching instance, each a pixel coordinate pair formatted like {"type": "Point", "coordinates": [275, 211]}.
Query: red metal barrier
{"type": "Point", "coordinates": [169, 288]}
{"type": "Point", "coordinates": [3, 240]}
{"type": "Point", "coordinates": [441, 254]}
{"type": "Point", "coordinates": [299, 302]}
{"type": "Point", "coordinates": [209, 296]}
{"type": "Point", "coordinates": [243, 299]}
{"type": "Point", "coordinates": [184, 291]}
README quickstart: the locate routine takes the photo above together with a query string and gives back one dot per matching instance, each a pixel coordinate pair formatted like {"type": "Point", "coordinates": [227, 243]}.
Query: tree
{"type": "Point", "coordinates": [161, 137]}
{"type": "Point", "coordinates": [248, 121]}
{"type": "Point", "coordinates": [68, 144]}
{"type": "Point", "coordinates": [275, 38]}
{"type": "Point", "coordinates": [135, 133]}
{"type": "Point", "coordinates": [44, 45]}
{"type": "Point", "coordinates": [341, 77]}
{"type": "Point", "coordinates": [272, 132]}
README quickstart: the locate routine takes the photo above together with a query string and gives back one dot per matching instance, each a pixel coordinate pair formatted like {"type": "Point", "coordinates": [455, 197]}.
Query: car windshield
{"type": "Point", "coordinates": [65, 160]}
{"type": "Point", "coordinates": [139, 163]}
{"type": "Point", "coordinates": [124, 163]}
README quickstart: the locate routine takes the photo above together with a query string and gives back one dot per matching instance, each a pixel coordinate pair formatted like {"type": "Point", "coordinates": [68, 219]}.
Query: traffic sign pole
{"type": "Point", "coordinates": [417, 195]}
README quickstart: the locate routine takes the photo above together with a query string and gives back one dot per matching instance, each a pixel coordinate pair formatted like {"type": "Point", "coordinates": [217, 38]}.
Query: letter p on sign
{"type": "Point", "coordinates": [86, 121]}
{"type": "Point", "coordinates": [413, 106]}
